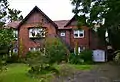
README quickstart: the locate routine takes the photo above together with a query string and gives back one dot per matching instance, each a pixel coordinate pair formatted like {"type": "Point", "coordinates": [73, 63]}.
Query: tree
{"type": "Point", "coordinates": [7, 13]}
{"type": "Point", "coordinates": [99, 11]}
{"type": "Point", "coordinates": [6, 35]}
{"type": "Point", "coordinates": [6, 39]}
{"type": "Point", "coordinates": [3, 13]}
{"type": "Point", "coordinates": [14, 15]}
{"type": "Point", "coordinates": [55, 50]}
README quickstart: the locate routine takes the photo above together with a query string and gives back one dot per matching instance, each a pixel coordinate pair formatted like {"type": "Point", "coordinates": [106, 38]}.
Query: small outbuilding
{"type": "Point", "coordinates": [99, 55]}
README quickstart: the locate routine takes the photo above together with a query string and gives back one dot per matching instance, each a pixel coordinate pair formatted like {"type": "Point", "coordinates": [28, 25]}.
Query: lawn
{"type": "Point", "coordinates": [18, 72]}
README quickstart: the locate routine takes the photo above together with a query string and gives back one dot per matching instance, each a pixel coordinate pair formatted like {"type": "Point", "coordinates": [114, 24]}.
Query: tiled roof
{"type": "Point", "coordinates": [13, 24]}
{"type": "Point", "coordinates": [39, 11]}
{"type": "Point", "coordinates": [61, 23]}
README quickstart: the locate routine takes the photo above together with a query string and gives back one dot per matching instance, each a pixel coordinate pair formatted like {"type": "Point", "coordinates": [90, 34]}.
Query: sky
{"type": "Point", "coordinates": [54, 9]}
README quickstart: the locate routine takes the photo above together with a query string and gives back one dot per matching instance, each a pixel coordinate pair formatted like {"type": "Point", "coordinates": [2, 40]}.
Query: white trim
{"type": "Point", "coordinates": [80, 49]}
{"type": "Point", "coordinates": [62, 34]}
{"type": "Point", "coordinates": [36, 31]}
{"type": "Point", "coordinates": [77, 33]}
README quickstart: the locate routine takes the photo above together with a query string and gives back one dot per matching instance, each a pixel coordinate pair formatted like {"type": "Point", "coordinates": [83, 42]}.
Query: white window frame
{"type": "Point", "coordinates": [78, 33]}
{"type": "Point", "coordinates": [80, 49]}
{"type": "Point", "coordinates": [62, 33]}
{"type": "Point", "coordinates": [36, 31]}
{"type": "Point", "coordinates": [15, 50]}
{"type": "Point", "coordinates": [15, 34]}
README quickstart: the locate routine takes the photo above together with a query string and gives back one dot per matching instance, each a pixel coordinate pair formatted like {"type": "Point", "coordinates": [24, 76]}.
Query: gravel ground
{"type": "Point", "coordinates": [105, 72]}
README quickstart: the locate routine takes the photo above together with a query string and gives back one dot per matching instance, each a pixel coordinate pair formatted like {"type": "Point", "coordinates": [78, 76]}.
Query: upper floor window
{"type": "Point", "coordinates": [36, 32]}
{"type": "Point", "coordinates": [78, 33]}
{"type": "Point", "coordinates": [62, 33]}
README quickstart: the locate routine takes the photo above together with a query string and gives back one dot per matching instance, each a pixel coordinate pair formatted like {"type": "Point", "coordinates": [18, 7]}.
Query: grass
{"type": "Point", "coordinates": [19, 72]}
{"type": "Point", "coordinates": [16, 73]}
{"type": "Point", "coordinates": [76, 67]}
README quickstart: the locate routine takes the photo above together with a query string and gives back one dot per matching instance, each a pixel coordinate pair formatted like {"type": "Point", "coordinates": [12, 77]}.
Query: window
{"type": "Point", "coordinates": [80, 49]}
{"type": "Point", "coordinates": [31, 49]}
{"type": "Point", "coordinates": [15, 50]}
{"type": "Point", "coordinates": [78, 33]}
{"type": "Point", "coordinates": [15, 32]}
{"type": "Point", "coordinates": [36, 32]}
{"type": "Point", "coordinates": [62, 34]}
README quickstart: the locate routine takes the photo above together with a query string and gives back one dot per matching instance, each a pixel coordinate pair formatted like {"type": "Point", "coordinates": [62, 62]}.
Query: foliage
{"type": "Point", "coordinates": [55, 50]}
{"type": "Point", "coordinates": [3, 7]}
{"type": "Point", "coordinates": [2, 65]}
{"type": "Point", "coordinates": [75, 59]}
{"type": "Point", "coordinates": [14, 15]}
{"type": "Point", "coordinates": [117, 56]}
{"type": "Point", "coordinates": [38, 63]}
{"type": "Point", "coordinates": [6, 39]}
{"type": "Point", "coordinates": [86, 55]}
{"type": "Point", "coordinates": [21, 48]}
{"type": "Point", "coordinates": [18, 73]}
{"type": "Point", "coordinates": [6, 13]}
{"type": "Point", "coordinates": [103, 12]}
{"type": "Point", "coordinates": [13, 58]}
{"type": "Point", "coordinates": [42, 61]}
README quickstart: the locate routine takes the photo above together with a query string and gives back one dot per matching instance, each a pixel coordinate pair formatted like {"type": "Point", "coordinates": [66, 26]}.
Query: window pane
{"type": "Point", "coordinates": [78, 33]}
{"type": "Point", "coordinates": [62, 34]}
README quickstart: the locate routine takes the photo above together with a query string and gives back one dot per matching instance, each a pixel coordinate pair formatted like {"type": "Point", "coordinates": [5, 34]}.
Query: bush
{"type": "Point", "coordinates": [42, 61]}
{"type": "Point", "coordinates": [38, 63]}
{"type": "Point", "coordinates": [117, 57]}
{"type": "Point", "coordinates": [84, 57]}
{"type": "Point", "coordinates": [2, 64]}
{"type": "Point", "coordinates": [13, 58]}
{"type": "Point", "coordinates": [75, 59]}
{"type": "Point", "coordinates": [87, 56]}
{"type": "Point", "coordinates": [56, 51]}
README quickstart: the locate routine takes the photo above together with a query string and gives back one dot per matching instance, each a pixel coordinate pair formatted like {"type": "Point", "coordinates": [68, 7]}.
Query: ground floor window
{"type": "Point", "coordinates": [79, 49]}
{"type": "Point", "coordinates": [15, 50]}
{"type": "Point", "coordinates": [32, 49]}
{"type": "Point", "coordinates": [62, 33]}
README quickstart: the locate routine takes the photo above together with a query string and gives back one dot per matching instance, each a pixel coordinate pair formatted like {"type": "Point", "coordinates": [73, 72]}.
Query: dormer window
{"type": "Point", "coordinates": [36, 33]}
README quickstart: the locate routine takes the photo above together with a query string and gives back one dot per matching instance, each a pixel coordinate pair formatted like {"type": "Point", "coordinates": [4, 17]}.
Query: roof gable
{"type": "Point", "coordinates": [73, 19]}
{"type": "Point", "coordinates": [61, 23]}
{"type": "Point", "coordinates": [38, 10]}
{"type": "Point", "coordinates": [77, 20]}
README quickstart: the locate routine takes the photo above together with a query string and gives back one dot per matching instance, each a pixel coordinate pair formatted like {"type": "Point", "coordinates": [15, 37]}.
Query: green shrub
{"type": "Point", "coordinates": [75, 59]}
{"type": "Point", "coordinates": [117, 57]}
{"type": "Point", "coordinates": [56, 51]}
{"type": "Point", "coordinates": [87, 56]}
{"type": "Point", "coordinates": [82, 58]}
{"type": "Point", "coordinates": [13, 58]}
{"type": "Point", "coordinates": [39, 63]}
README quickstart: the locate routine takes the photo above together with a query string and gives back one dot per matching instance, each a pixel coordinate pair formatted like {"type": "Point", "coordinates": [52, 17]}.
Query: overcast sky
{"type": "Point", "coordinates": [55, 9]}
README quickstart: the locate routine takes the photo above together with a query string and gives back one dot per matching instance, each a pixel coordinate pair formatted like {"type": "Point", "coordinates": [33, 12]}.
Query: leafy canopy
{"type": "Point", "coordinates": [104, 12]}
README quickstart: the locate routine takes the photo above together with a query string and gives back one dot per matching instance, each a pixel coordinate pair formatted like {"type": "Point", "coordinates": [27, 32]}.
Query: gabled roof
{"type": "Point", "coordinates": [32, 11]}
{"type": "Point", "coordinates": [74, 17]}
{"type": "Point", "coordinates": [13, 24]}
{"type": "Point", "coordinates": [61, 23]}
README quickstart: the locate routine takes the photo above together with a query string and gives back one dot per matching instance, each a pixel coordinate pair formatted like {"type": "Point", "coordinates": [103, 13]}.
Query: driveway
{"type": "Point", "coordinates": [105, 72]}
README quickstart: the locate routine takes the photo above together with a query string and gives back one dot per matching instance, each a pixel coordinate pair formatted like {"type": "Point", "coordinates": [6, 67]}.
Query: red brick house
{"type": "Point", "coordinates": [67, 30]}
